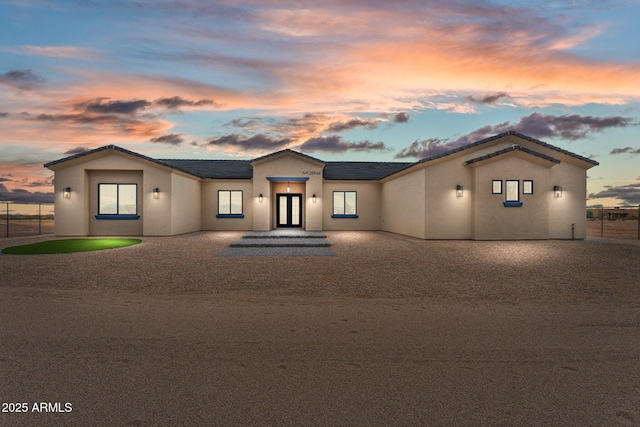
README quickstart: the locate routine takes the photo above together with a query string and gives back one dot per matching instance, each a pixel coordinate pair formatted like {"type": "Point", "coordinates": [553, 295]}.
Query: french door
{"type": "Point", "coordinates": [289, 210]}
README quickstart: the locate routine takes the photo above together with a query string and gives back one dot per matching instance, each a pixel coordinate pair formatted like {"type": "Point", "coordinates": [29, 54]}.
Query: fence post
{"type": "Point", "coordinates": [39, 218]}
{"type": "Point", "coordinates": [7, 234]}
{"type": "Point", "coordinates": [602, 221]}
{"type": "Point", "coordinates": [638, 222]}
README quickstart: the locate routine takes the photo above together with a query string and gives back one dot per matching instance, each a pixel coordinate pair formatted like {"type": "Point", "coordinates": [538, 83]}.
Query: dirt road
{"type": "Point", "coordinates": [131, 359]}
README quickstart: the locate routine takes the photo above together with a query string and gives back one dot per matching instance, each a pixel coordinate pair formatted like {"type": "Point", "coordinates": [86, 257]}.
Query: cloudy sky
{"type": "Point", "coordinates": [338, 79]}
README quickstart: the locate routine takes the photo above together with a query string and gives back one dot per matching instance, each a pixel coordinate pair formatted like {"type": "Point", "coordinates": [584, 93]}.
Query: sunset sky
{"type": "Point", "coordinates": [338, 80]}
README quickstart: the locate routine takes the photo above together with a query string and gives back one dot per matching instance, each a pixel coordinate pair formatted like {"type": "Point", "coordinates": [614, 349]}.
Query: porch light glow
{"type": "Point", "coordinates": [260, 198]}
{"type": "Point", "coordinates": [557, 191]}
{"type": "Point", "coordinates": [458, 190]}
{"type": "Point", "coordinates": [156, 193]}
{"type": "Point", "coordinates": [313, 198]}
{"type": "Point", "coordinates": [66, 192]}
{"type": "Point", "coordinates": [288, 188]}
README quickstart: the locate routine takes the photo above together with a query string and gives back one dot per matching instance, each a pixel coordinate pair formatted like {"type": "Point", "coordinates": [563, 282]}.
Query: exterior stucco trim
{"type": "Point", "coordinates": [509, 150]}
{"type": "Point", "coordinates": [287, 178]}
{"type": "Point", "coordinates": [490, 139]}
{"type": "Point", "coordinates": [512, 204]}
{"type": "Point", "coordinates": [121, 150]}
{"type": "Point", "coordinates": [118, 217]}
{"type": "Point", "coordinates": [287, 151]}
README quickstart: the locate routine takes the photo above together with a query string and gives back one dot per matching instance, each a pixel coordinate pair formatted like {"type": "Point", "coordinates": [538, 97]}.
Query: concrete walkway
{"type": "Point", "coordinates": [281, 242]}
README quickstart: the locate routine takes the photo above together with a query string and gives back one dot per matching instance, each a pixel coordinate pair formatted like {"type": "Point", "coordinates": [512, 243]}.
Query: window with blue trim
{"type": "Point", "coordinates": [230, 204]}
{"type": "Point", "coordinates": [512, 193]}
{"type": "Point", "coordinates": [345, 204]}
{"type": "Point", "coordinates": [118, 200]}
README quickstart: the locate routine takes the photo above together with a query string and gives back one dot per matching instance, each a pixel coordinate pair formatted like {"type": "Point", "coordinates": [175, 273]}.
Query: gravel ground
{"type": "Point", "coordinates": [366, 265]}
{"type": "Point", "coordinates": [390, 331]}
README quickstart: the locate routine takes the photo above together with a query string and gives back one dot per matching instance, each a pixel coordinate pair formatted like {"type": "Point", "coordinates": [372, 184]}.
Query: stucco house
{"type": "Point", "coordinates": [506, 187]}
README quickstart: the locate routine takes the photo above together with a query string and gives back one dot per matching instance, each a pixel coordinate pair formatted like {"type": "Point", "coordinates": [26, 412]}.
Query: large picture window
{"type": "Point", "coordinates": [229, 203]}
{"type": "Point", "coordinates": [117, 199]}
{"type": "Point", "coordinates": [344, 204]}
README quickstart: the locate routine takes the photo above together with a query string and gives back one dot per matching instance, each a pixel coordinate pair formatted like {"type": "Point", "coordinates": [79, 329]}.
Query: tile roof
{"type": "Point", "coordinates": [218, 169]}
{"type": "Point", "coordinates": [120, 149]}
{"type": "Point", "coordinates": [242, 169]}
{"type": "Point", "coordinates": [493, 138]}
{"type": "Point", "coordinates": [508, 150]}
{"type": "Point", "coordinates": [287, 150]}
{"type": "Point", "coordinates": [361, 170]}
{"type": "Point", "coordinates": [502, 135]}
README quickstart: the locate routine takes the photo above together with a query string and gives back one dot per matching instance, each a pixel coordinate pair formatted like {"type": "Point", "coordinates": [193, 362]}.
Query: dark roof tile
{"type": "Point", "coordinates": [215, 169]}
{"type": "Point", "coordinates": [242, 169]}
{"type": "Point", "coordinates": [287, 150]}
{"type": "Point", "coordinates": [508, 150]}
{"type": "Point", "coordinates": [361, 170]}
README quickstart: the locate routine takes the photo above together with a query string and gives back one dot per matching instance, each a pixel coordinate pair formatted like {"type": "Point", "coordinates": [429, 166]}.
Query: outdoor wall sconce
{"type": "Point", "coordinates": [458, 190]}
{"type": "Point", "coordinates": [66, 192]}
{"type": "Point", "coordinates": [557, 191]}
{"type": "Point", "coordinates": [260, 198]}
{"type": "Point", "coordinates": [156, 193]}
{"type": "Point", "coordinates": [313, 198]}
{"type": "Point", "coordinates": [288, 188]}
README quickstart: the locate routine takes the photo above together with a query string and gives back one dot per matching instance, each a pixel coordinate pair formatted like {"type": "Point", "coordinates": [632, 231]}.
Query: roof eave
{"type": "Point", "coordinates": [285, 152]}
{"type": "Point", "coordinates": [53, 164]}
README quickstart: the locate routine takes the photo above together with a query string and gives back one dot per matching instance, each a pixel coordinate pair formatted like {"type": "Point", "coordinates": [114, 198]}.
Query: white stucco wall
{"type": "Point", "coordinates": [114, 227]}
{"type": "Point", "coordinates": [446, 215]}
{"type": "Point", "coordinates": [420, 202]}
{"type": "Point", "coordinates": [76, 216]}
{"type": "Point", "coordinates": [287, 165]}
{"type": "Point", "coordinates": [403, 204]}
{"type": "Point", "coordinates": [571, 175]}
{"type": "Point", "coordinates": [157, 212]}
{"type": "Point", "coordinates": [494, 221]}
{"type": "Point", "coordinates": [186, 204]}
{"type": "Point", "coordinates": [368, 200]}
{"type": "Point", "coordinates": [71, 214]}
{"type": "Point", "coordinates": [209, 207]}
{"type": "Point", "coordinates": [571, 208]}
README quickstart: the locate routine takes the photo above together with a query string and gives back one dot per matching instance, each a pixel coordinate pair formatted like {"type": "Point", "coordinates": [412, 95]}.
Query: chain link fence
{"type": "Point", "coordinates": [616, 222]}
{"type": "Point", "coordinates": [26, 219]}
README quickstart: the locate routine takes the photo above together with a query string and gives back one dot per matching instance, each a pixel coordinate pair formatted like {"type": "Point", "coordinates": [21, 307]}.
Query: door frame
{"type": "Point", "coordinates": [289, 197]}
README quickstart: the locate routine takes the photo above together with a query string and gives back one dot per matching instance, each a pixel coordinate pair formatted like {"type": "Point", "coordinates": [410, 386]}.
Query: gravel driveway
{"type": "Point", "coordinates": [390, 331]}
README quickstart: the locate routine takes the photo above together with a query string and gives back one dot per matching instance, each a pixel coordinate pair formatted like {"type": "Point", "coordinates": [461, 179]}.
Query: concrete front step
{"type": "Point", "coordinates": [285, 234]}
{"type": "Point", "coordinates": [281, 242]}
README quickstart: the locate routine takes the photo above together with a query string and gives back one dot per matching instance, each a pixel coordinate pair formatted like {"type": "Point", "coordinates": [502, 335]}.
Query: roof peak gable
{"type": "Point", "coordinates": [514, 148]}
{"type": "Point", "coordinates": [287, 152]}
{"type": "Point", "coordinates": [503, 135]}
{"type": "Point", "coordinates": [119, 150]}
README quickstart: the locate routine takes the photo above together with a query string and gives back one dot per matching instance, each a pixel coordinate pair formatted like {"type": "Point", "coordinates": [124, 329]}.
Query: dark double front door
{"type": "Point", "coordinates": [289, 210]}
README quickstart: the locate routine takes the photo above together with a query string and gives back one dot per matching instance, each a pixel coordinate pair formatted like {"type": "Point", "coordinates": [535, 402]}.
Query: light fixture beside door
{"type": "Point", "coordinates": [557, 192]}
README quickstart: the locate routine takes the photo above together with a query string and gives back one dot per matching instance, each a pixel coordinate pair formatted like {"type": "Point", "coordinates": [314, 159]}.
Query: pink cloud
{"type": "Point", "coordinates": [31, 176]}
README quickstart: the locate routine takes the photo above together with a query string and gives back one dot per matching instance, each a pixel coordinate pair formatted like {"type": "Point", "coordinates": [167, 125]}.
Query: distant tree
{"type": "Point", "coordinates": [590, 214]}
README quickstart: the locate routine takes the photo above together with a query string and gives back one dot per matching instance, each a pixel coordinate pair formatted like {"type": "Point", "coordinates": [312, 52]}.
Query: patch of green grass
{"type": "Point", "coordinates": [69, 245]}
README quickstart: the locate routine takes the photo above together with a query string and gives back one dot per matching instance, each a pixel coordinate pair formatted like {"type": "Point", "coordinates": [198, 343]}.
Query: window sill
{"type": "Point", "coordinates": [125, 217]}
{"type": "Point", "coordinates": [230, 216]}
{"type": "Point", "coordinates": [512, 204]}
{"type": "Point", "coordinates": [344, 216]}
